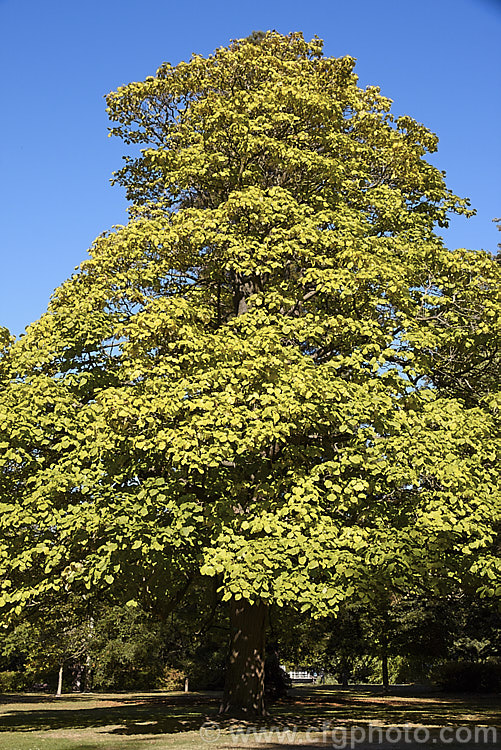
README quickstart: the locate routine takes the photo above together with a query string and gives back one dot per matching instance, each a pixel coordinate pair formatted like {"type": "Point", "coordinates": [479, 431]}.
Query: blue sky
{"type": "Point", "coordinates": [439, 60]}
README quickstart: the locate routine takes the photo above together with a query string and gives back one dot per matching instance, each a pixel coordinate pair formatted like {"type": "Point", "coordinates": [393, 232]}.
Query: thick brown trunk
{"type": "Point", "coordinates": [244, 685]}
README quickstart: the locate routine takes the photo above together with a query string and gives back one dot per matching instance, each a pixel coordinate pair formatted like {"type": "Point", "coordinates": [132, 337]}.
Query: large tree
{"type": "Point", "coordinates": [240, 383]}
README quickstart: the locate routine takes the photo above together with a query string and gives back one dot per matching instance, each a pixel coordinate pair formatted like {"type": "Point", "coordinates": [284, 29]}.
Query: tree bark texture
{"type": "Point", "coordinates": [244, 685]}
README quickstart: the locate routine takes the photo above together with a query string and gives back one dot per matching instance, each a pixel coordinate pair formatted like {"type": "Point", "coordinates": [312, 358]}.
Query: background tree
{"type": "Point", "coordinates": [240, 384]}
{"type": "Point", "coordinates": [50, 641]}
{"type": "Point", "coordinates": [102, 644]}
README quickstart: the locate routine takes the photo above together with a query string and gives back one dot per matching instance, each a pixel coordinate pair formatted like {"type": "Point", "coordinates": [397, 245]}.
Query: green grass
{"type": "Point", "coordinates": [172, 721]}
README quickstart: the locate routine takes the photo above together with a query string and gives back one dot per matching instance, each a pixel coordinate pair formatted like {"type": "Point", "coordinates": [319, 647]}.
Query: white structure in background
{"type": "Point", "coordinates": [301, 676]}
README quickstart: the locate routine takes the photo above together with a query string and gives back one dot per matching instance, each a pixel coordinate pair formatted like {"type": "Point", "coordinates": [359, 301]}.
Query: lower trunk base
{"type": "Point", "coordinates": [244, 685]}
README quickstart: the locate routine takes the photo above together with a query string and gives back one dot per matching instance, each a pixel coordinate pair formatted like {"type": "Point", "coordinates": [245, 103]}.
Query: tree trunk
{"type": "Point", "coordinates": [384, 664]}
{"type": "Point", "coordinates": [345, 672]}
{"type": "Point", "coordinates": [244, 685]}
{"type": "Point", "coordinates": [60, 682]}
{"type": "Point", "coordinates": [87, 685]}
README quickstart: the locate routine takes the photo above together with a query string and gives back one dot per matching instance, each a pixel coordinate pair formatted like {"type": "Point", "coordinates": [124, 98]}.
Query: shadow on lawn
{"type": "Point", "coordinates": [401, 706]}
{"type": "Point", "coordinates": [134, 715]}
{"type": "Point", "coordinates": [304, 709]}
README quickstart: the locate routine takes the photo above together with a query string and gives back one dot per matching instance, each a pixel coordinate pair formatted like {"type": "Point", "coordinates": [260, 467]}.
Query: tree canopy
{"type": "Point", "coordinates": [275, 374]}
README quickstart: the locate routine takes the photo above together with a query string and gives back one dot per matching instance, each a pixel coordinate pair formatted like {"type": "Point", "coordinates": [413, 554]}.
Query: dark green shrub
{"type": "Point", "coordinates": [125, 651]}
{"type": "Point", "coordinates": [12, 682]}
{"type": "Point", "coordinates": [464, 676]}
{"type": "Point", "coordinates": [205, 667]}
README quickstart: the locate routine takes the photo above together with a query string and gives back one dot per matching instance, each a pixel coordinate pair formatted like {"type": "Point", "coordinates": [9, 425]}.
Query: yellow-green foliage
{"type": "Point", "coordinates": [275, 373]}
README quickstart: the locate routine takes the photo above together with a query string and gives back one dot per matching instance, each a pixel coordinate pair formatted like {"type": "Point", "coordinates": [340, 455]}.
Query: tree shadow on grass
{"type": "Point", "coordinates": [145, 715]}
{"type": "Point", "coordinates": [304, 710]}
{"type": "Point", "coordinates": [400, 707]}
{"type": "Point", "coordinates": [30, 743]}
{"type": "Point", "coordinates": [78, 698]}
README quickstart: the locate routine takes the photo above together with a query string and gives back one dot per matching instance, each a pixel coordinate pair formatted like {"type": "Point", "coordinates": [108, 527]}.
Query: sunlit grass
{"type": "Point", "coordinates": [172, 721]}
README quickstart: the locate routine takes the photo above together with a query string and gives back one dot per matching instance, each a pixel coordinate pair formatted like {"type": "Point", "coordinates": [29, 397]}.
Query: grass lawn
{"type": "Point", "coordinates": [313, 716]}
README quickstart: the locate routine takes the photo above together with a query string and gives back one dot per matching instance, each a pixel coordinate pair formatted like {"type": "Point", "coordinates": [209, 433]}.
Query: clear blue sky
{"type": "Point", "coordinates": [439, 60]}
